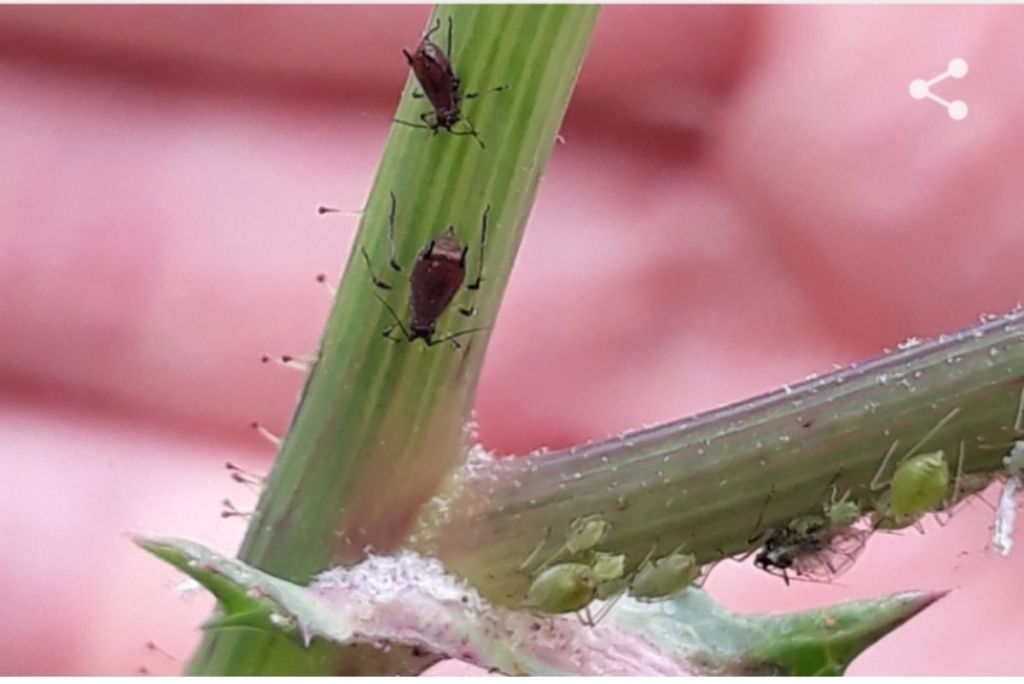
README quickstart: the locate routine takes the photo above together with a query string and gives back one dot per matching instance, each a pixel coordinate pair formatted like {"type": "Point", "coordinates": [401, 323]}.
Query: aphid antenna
{"type": "Point", "coordinates": [931, 433]}
{"type": "Point", "coordinates": [433, 29]}
{"type": "Point", "coordinates": [536, 551]}
{"type": "Point", "coordinates": [265, 433]}
{"type": "Point", "coordinates": [647, 558]}
{"type": "Point", "coordinates": [876, 483]}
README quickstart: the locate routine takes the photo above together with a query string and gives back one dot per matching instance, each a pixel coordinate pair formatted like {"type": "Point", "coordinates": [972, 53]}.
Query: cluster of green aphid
{"type": "Point", "coordinates": [825, 544]}
{"type": "Point", "coordinates": [570, 586]}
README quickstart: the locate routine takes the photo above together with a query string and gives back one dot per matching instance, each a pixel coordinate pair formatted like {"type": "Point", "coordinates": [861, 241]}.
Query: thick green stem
{"type": "Point", "coordinates": [706, 480]}
{"type": "Point", "coordinates": [381, 423]}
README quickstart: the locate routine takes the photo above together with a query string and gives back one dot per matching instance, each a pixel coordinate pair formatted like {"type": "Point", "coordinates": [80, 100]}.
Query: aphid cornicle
{"type": "Point", "coordinates": [433, 70]}
{"type": "Point", "coordinates": [436, 278]}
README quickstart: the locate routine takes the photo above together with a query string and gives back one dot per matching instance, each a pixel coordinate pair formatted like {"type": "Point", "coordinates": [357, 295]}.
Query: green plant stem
{"type": "Point", "coordinates": [704, 481]}
{"type": "Point", "coordinates": [380, 424]}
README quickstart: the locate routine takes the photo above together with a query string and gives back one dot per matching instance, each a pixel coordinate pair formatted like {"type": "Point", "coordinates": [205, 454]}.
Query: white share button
{"type": "Point", "coordinates": [921, 89]}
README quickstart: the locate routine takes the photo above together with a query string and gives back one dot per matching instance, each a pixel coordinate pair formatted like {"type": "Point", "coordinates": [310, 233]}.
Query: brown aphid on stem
{"type": "Point", "coordinates": [436, 278]}
{"type": "Point", "coordinates": [433, 70]}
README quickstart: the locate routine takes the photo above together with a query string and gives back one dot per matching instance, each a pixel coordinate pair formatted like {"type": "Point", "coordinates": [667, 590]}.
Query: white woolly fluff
{"type": "Point", "coordinates": [1006, 512]}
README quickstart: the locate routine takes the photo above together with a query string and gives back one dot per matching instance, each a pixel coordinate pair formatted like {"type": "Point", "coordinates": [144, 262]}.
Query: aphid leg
{"type": "Point", "coordinates": [475, 285]}
{"type": "Point", "coordinates": [451, 336]}
{"type": "Point", "coordinates": [377, 282]}
{"type": "Point", "coordinates": [760, 520]}
{"type": "Point", "coordinates": [833, 489]}
{"type": "Point", "coordinates": [448, 50]}
{"type": "Point", "coordinates": [471, 132]}
{"type": "Point", "coordinates": [586, 619]}
{"type": "Point", "coordinates": [944, 516]}
{"type": "Point", "coordinates": [1018, 422]}
{"type": "Point", "coordinates": [876, 482]}
{"type": "Point", "coordinates": [414, 125]}
{"type": "Point", "coordinates": [398, 321]}
{"type": "Point", "coordinates": [607, 607]}
{"type": "Point", "coordinates": [391, 234]}
{"type": "Point", "coordinates": [425, 117]}
{"type": "Point", "coordinates": [706, 574]}
{"type": "Point", "coordinates": [496, 89]}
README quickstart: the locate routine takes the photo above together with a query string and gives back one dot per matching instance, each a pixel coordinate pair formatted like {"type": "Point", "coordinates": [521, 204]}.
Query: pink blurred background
{"type": "Point", "coordinates": [765, 177]}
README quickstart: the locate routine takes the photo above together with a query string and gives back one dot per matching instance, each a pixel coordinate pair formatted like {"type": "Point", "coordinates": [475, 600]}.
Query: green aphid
{"type": "Point", "coordinates": [664, 577]}
{"type": "Point", "coordinates": [919, 485]}
{"type": "Point", "coordinates": [842, 514]}
{"type": "Point", "coordinates": [609, 571]}
{"type": "Point", "coordinates": [586, 533]}
{"type": "Point", "coordinates": [562, 588]}
{"type": "Point", "coordinates": [608, 566]}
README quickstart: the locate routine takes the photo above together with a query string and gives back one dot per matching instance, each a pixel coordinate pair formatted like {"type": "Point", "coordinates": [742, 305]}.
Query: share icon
{"type": "Point", "coordinates": [921, 89]}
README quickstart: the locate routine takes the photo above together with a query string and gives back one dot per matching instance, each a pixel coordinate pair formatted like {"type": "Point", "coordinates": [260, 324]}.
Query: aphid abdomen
{"type": "Point", "coordinates": [664, 577]}
{"type": "Point", "coordinates": [434, 73]}
{"type": "Point", "coordinates": [436, 278]}
{"type": "Point", "coordinates": [562, 588]}
{"type": "Point", "coordinates": [919, 485]}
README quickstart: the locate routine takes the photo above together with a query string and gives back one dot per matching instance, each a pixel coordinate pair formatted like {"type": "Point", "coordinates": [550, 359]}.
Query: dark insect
{"type": "Point", "coordinates": [816, 546]}
{"type": "Point", "coordinates": [442, 88]}
{"type": "Point", "coordinates": [436, 278]}
{"type": "Point", "coordinates": [809, 548]}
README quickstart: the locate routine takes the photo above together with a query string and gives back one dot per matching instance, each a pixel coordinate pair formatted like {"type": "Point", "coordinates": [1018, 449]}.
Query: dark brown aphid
{"type": "Point", "coordinates": [436, 278]}
{"type": "Point", "coordinates": [433, 69]}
